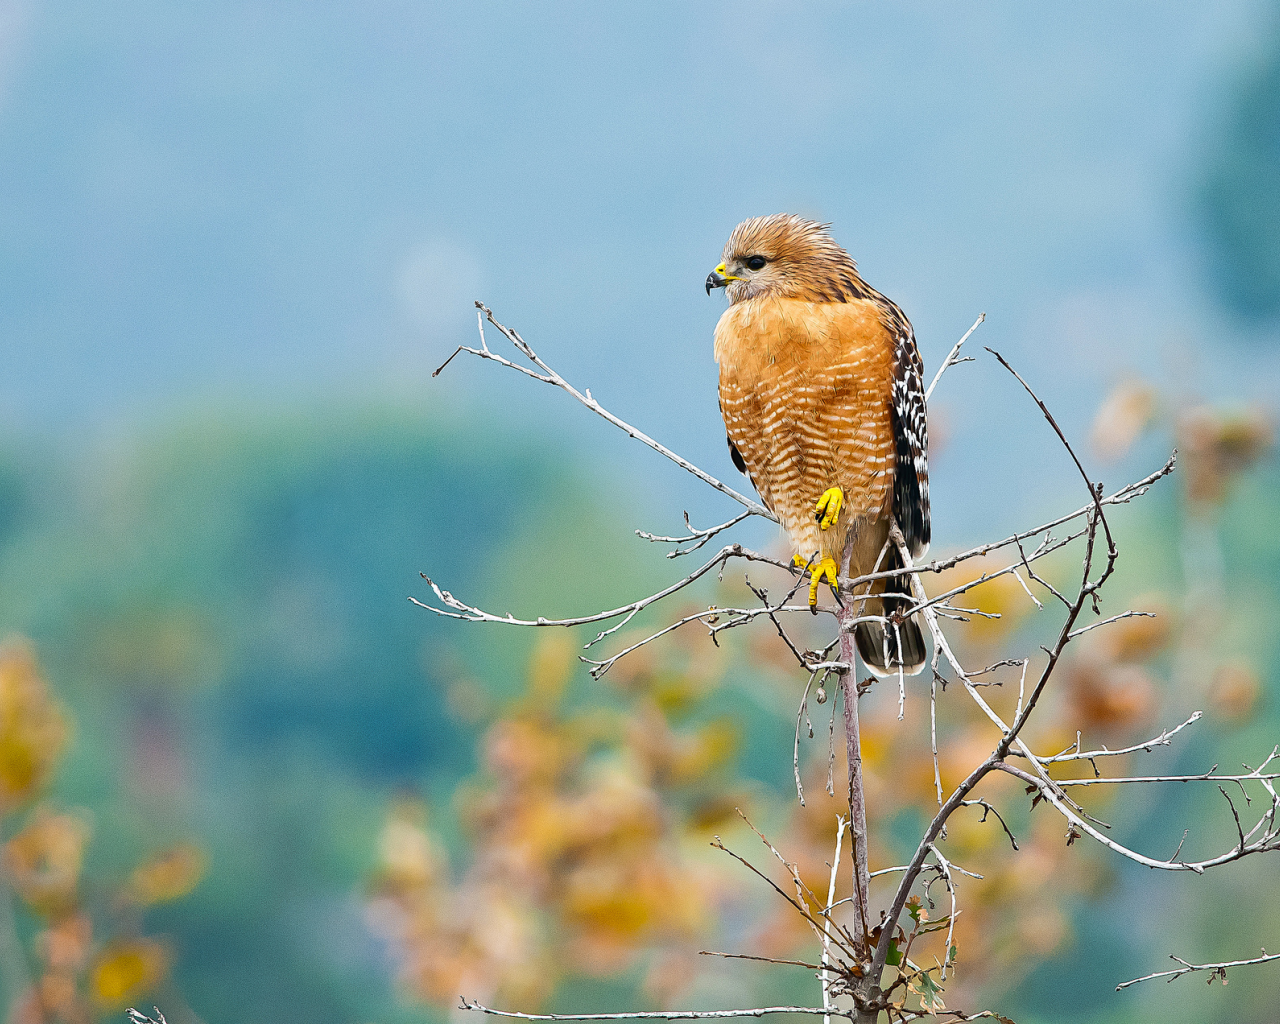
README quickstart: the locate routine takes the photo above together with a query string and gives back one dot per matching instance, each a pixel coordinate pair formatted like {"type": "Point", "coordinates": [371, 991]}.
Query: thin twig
{"type": "Point", "coordinates": [841, 821]}
{"type": "Point", "coordinates": [1147, 745]}
{"type": "Point", "coordinates": [549, 376]}
{"type": "Point", "coordinates": [986, 809]}
{"type": "Point", "coordinates": [1206, 777]}
{"type": "Point", "coordinates": [944, 866]}
{"type": "Point", "coordinates": [1115, 618]}
{"type": "Point", "coordinates": [1219, 969]}
{"type": "Point", "coordinates": [761, 959]}
{"type": "Point", "coordinates": [141, 1018]}
{"type": "Point", "coordinates": [760, 1011]}
{"type": "Point", "coordinates": [795, 754]}
{"type": "Point", "coordinates": [700, 536]}
{"type": "Point", "coordinates": [951, 359]}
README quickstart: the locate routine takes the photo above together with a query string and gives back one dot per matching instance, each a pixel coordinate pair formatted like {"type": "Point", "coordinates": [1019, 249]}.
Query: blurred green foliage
{"type": "Point", "coordinates": [224, 607]}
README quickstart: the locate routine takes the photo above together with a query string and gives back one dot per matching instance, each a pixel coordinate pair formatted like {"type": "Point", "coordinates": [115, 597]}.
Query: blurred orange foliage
{"type": "Point", "coordinates": [1216, 447]}
{"type": "Point", "coordinates": [75, 977]}
{"type": "Point", "coordinates": [1124, 415]}
{"type": "Point", "coordinates": [576, 829]}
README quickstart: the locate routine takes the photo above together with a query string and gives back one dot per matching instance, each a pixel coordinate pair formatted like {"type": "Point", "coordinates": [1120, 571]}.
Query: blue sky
{"type": "Point", "coordinates": [205, 206]}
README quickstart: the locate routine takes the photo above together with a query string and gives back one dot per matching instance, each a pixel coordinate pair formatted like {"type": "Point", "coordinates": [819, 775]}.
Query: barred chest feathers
{"type": "Point", "coordinates": [806, 390]}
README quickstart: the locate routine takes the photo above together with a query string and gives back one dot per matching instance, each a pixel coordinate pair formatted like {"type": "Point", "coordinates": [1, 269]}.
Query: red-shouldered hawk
{"type": "Point", "coordinates": [821, 392]}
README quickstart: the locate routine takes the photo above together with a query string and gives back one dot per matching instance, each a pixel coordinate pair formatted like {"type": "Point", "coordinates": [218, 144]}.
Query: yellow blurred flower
{"type": "Point", "coordinates": [126, 970]}
{"type": "Point", "coordinates": [577, 858]}
{"type": "Point", "coordinates": [527, 751]}
{"type": "Point", "coordinates": [410, 858]}
{"type": "Point", "coordinates": [33, 729]}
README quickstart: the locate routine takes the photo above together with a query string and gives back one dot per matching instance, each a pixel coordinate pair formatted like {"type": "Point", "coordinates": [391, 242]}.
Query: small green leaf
{"type": "Point", "coordinates": [894, 958]}
{"type": "Point", "coordinates": [930, 993]}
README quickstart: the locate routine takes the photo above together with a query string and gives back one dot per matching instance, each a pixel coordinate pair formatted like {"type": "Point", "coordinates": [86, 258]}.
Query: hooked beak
{"type": "Point", "coordinates": [718, 278]}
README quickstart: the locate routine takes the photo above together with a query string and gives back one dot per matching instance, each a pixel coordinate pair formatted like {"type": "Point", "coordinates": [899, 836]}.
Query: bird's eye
{"type": "Point", "coordinates": [756, 262]}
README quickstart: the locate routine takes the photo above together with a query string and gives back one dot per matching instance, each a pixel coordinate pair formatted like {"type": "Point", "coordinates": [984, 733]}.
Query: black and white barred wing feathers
{"type": "Point", "coordinates": [911, 442]}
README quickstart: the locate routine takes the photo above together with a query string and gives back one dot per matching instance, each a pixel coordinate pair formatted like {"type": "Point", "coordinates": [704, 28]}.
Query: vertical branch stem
{"type": "Point", "coordinates": [857, 800]}
{"type": "Point", "coordinates": [857, 810]}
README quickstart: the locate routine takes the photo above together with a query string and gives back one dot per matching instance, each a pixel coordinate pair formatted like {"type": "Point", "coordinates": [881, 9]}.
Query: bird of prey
{"type": "Point", "coordinates": [821, 393]}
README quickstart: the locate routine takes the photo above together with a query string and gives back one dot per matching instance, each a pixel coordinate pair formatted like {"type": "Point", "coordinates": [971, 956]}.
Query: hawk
{"type": "Point", "coordinates": [822, 398]}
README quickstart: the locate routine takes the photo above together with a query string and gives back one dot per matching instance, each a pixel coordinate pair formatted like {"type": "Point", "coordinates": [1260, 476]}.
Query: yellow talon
{"type": "Point", "coordinates": [826, 569]}
{"type": "Point", "coordinates": [827, 511]}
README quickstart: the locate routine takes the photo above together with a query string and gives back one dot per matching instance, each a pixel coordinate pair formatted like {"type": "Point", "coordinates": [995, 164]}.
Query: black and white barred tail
{"type": "Point", "coordinates": [889, 647]}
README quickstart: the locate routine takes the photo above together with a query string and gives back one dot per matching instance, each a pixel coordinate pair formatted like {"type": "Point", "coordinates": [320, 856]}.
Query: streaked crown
{"type": "Point", "coordinates": [789, 256]}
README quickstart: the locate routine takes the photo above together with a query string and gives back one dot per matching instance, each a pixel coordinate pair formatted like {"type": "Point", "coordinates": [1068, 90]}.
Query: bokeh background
{"type": "Point", "coordinates": [245, 778]}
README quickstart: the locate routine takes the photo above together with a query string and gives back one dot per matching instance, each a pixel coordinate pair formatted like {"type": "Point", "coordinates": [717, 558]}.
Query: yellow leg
{"type": "Point", "coordinates": [827, 511]}
{"type": "Point", "coordinates": [825, 569]}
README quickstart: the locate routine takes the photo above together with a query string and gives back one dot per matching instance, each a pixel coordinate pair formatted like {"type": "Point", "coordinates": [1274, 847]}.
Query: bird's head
{"type": "Point", "coordinates": [787, 256]}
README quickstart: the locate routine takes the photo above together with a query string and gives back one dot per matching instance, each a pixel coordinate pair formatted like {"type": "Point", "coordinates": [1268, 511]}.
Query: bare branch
{"type": "Point", "coordinates": [1115, 618]}
{"type": "Point", "coordinates": [839, 939]}
{"type": "Point", "coordinates": [1097, 503]}
{"type": "Point", "coordinates": [1219, 970]}
{"type": "Point", "coordinates": [1050, 790]}
{"type": "Point", "coordinates": [795, 754]}
{"type": "Point", "coordinates": [928, 864]}
{"type": "Point", "coordinates": [760, 1011]}
{"type": "Point", "coordinates": [473, 614]}
{"type": "Point", "coordinates": [1159, 741]}
{"type": "Point", "coordinates": [733, 617]}
{"type": "Point", "coordinates": [456, 609]}
{"type": "Point", "coordinates": [761, 959]}
{"type": "Point", "coordinates": [933, 734]}
{"type": "Point", "coordinates": [1206, 777]}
